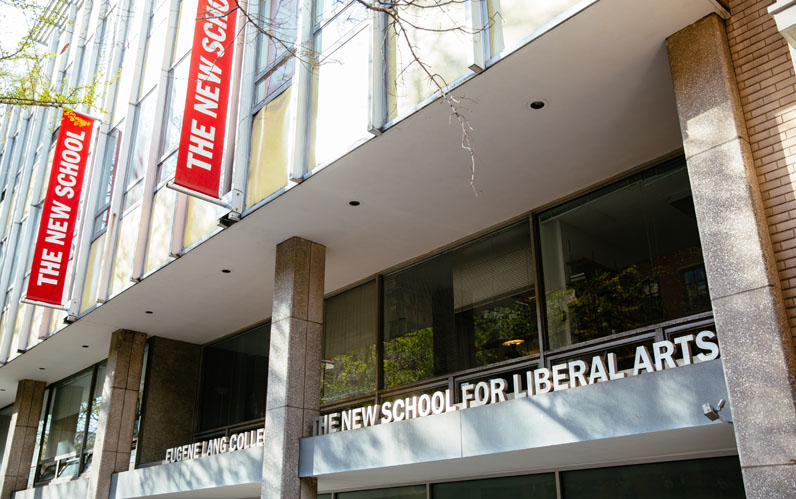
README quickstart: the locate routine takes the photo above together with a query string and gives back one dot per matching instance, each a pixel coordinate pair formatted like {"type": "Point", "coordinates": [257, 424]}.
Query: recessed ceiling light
{"type": "Point", "coordinates": [149, 312]}
{"type": "Point", "coordinates": [226, 271]}
{"type": "Point", "coordinates": [537, 104]}
{"type": "Point", "coordinates": [85, 346]}
{"type": "Point", "coordinates": [41, 369]}
{"type": "Point", "coordinates": [2, 389]}
{"type": "Point", "coordinates": [354, 203]}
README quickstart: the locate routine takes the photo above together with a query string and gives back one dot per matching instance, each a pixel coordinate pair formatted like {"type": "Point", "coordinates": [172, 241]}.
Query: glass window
{"type": "Point", "coordinates": [469, 307]}
{"type": "Point", "coordinates": [91, 287]}
{"type": "Point", "coordinates": [5, 425]}
{"type": "Point", "coordinates": [513, 20]}
{"type": "Point", "coordinates": [159, 237]}
{"type": "Point", "coordinates": [183, 38]}
{"type": "Point", "coordinates": [268, 161]}
{"type": "Point", "coordinates": [234, 379]}
{"type": "Point", "coordinates": [140, 149]}
{"type": "Point", "coordinates": [278, 19]}
{"type": "Point", "coordinates": [701, 478]}
{"type": "Point", "coordinates": [153, 52]}
{"type": "Point", "coordinates": [340, 96]}
{"type": "Point", "coordinates": [109, 161]}
{"type": "Point", "coordinates": [412, 492]}
{"type": "Point", "coordinates": [515, 487]}
{"type": "Point", "coordinates": [178, 88]}
{"type": "Point", "coordinates": [70, 425]}
{"type": "Point", "coordinates": [622, 257]}
{"type": "Point", "coordinates": [431, 33]}
{"type": "Point", "coordinates": [123, 257]}
{"type": "Point", "coordinates": [351, 327]}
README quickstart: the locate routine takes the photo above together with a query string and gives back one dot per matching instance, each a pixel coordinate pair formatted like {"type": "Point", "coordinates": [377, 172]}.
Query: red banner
{"type": "Point", "coordinates": [205, 119]}
{"type": "Point", "coordinates": [59, 215]}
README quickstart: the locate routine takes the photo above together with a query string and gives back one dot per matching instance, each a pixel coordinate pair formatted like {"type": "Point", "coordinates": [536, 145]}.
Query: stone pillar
{"type": "Point", "coordinates": [21, 437]}
{"type": "Point", "coordinates": [170, 398]}
{"type": "Point", "coordinates": [756, 345]}
{"type": "Point", "coordinates": [294, 366]}
{"type": "Point", "coordinates": [117, 412]}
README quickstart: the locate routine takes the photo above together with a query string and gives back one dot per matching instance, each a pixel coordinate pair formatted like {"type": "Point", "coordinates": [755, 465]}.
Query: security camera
{"type": "Point", "coordinates": [710, 412]}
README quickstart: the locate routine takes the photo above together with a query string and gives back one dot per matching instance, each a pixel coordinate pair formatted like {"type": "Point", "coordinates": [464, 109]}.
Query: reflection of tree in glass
{"type": "Point", "coordinates": [409, 358]}
{"type": "Point", "coordinates": [610, 302]}
{"type": "Point", "coordinates": [350, 374]}
{"type": "Point", "coordinates": [511, 320]}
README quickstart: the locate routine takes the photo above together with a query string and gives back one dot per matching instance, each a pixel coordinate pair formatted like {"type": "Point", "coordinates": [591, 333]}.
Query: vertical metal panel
{"type": "Point", "coordinates": [478, 17]}
{"type": "Point", "coordinates": [378, 72]}
{"type": "Point", "coordinates": [243, 138]}
{"type": "Point", "coordinates": [304, 70]}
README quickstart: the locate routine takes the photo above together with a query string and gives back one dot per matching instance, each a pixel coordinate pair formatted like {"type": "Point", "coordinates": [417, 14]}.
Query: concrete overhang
{"type": "Point", "coordinates": [604, 73]}
{"type": "Point", "coordinates": [646, 418]}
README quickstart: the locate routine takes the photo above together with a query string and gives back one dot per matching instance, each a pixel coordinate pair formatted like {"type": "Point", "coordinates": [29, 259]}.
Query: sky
{"type": "Point", "coordinates": [13, 26]}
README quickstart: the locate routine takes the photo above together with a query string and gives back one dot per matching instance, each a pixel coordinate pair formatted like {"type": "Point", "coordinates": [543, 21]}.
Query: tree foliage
{"type": "Point", "coordinates": [24, 59]}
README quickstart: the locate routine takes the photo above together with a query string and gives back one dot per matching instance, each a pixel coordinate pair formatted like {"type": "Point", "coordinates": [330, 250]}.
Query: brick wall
{"type": "Point", "coordinates": [767, 85]}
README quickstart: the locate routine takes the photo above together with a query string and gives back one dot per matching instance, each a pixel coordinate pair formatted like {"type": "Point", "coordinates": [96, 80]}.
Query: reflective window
{"type": "Point", "coordinates": [702, 478]}
{"type": "Point", "coordinates": [178, 87]}
{"type": "Point", "coordinates": [513, 20]}
{"type": "Point", "coordinates": [268, 161]}
{"type": "Point", "coordinates": [278, 19]}
{"type": "Point", "coordinates": [234, 379]}
{"type": "Point", "coordinates": [70, 425]}
{"type": "Point", "coordinates": [469, 307]}
{"type": "Point", "coordinates": [412, 492]}
{"type": "Point", "coordinates": [431, 40]}
{"type": "Point", "coordinates": [515, 487]}
{"type": "Point", "coordinates": [139, 150]}
{"type": "Point", "coordinates": [622, 257]}
{"type": "Point", "coordinates": [340, 98]}
{"type": "Point", "coordinates": [153, 52]}
{"type": "Point", "coordinates": [183, 38]}
{"type": "Point", "coordinates": [109, 161]}
{"type": "Point", "coordinates": [5, 424]}
{"type": "Point", "coordinates": [351, 327]}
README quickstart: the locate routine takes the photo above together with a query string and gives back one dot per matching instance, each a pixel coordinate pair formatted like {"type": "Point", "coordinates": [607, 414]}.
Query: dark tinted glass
{"type": "Point", "coordinates": [623, 257]}
{"type": "Point", "coordinates": [469, 307]}
{"type": "Point", "coordinates": [703, 478]}
{"type": "Point", "coordinates": [515, 487]}
{"type": "Point", "coordinates": [234, 377]}
{"type": "Point", "coordinates": [5, 422]}
{"type": "Point", "coordinates": [413, 492]}
{"type": "Point", "coordinates": [351, 326]}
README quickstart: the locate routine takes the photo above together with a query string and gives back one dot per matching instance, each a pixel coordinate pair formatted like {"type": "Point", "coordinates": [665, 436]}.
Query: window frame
{"type": "Point", "coordinates": [546, 357]}
{"type": "Point", "coordinates": [226, 430]}
{"type": "Point", "coordinates": [45, 427]}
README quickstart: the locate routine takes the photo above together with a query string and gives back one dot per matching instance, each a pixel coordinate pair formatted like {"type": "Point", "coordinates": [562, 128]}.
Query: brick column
{"type": "Point", "coordinates": [294, 366]}
{"type": "Point", "coordinates": [21, 437]}
{"type": "Point", "coordinates": [747, 300]}
{"type": "Point", "coordinates": [117, 412]}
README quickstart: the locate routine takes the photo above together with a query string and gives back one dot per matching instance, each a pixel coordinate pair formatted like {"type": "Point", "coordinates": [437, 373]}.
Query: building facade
{"type": "Point", "coordinates": [471, 249]}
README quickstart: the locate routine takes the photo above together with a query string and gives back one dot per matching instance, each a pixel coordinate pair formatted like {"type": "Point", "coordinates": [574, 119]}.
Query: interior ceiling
{"type": "Point", "coordinates": [605, 76]}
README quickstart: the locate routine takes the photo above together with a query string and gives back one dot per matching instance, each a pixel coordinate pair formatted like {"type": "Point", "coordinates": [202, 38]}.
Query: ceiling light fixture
{"type": "Point", "coordinates": [149, 312]}
{"type": "Point", "coordinates": [513, 343]}
{"type": "Point", "coordinates": [225, 271]}
{"type": "Point", "coordinates": [354, 203]}
{"type": "Point", "coordinates": [537, 104]}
